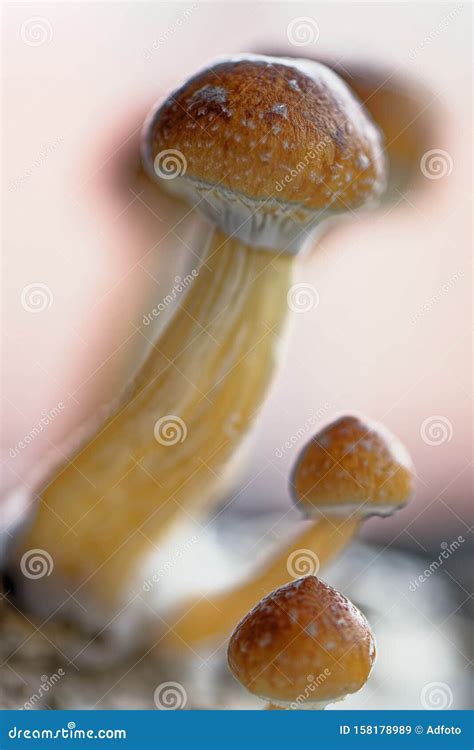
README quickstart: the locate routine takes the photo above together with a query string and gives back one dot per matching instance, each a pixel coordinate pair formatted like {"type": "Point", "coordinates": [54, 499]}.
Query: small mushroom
{"type": "Point", "coordinates": [302, 647]}
{"type": "Point", "coordinates": [351, 470]}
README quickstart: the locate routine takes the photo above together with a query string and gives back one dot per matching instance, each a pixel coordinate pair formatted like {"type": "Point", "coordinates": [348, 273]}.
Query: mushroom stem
{"type": "Point", "coordinates": [205, 378]}
{"type": "Point", "coordinates": [209, 617]}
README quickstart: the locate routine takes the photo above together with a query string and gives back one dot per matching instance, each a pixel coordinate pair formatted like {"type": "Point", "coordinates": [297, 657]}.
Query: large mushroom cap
{"type": "Point", "coordinates": [352, 466]}
{"type": "Point", "coordinates": [303, 644]}
{"type": "Point", "coordinates": [281, 135]}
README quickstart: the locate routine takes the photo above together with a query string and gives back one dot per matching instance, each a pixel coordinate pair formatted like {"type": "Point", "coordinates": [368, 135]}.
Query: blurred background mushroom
{"type": "Point", "coordinates": [407, 112]}
{"type": "Point", "coordinates": [397, 348]}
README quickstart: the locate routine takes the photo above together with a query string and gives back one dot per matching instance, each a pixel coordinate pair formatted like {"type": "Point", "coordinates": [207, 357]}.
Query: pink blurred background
{"type": "Point", "coordinates": [390, 336]}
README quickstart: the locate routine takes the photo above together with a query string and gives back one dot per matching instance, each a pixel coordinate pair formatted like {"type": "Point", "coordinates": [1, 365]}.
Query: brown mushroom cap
{"type": "Point", "coordinates": [286, 135]}
{"type": "Point", "coordinates": [303, 644]}
{"type": "Point", "coordinates": [352, 466]}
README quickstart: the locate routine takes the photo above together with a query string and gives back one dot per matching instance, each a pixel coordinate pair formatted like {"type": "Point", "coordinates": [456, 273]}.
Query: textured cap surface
{"type": "Point", "coordinates": [304, 643]}
{"type": "Point", "coordinates": [266, 147]}
{"type": "Point", "coordinates": [352, 465]}
{"type": "Point", "coordinates": [273, 128]}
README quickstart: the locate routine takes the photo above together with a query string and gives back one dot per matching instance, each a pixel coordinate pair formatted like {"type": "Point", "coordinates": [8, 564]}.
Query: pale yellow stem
{"type": "Point", "coordinates": [213, 616]}
{"type": "Point", "coordinates": [211, 368]}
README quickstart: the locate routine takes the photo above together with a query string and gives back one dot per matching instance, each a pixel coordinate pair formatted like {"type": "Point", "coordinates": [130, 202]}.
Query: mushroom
{"type": "Point", "coordinates": [267, 148]}
{"type": "Point", "coordinates": [350, 470]}
{"type": "Point", "coordinates": [302, 647]}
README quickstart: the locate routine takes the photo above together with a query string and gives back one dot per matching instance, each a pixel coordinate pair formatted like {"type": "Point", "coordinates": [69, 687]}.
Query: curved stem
{"type": "Point", "coordinates": [209, 617]}
{"type": "Point", "coordinates": [207, 374]}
